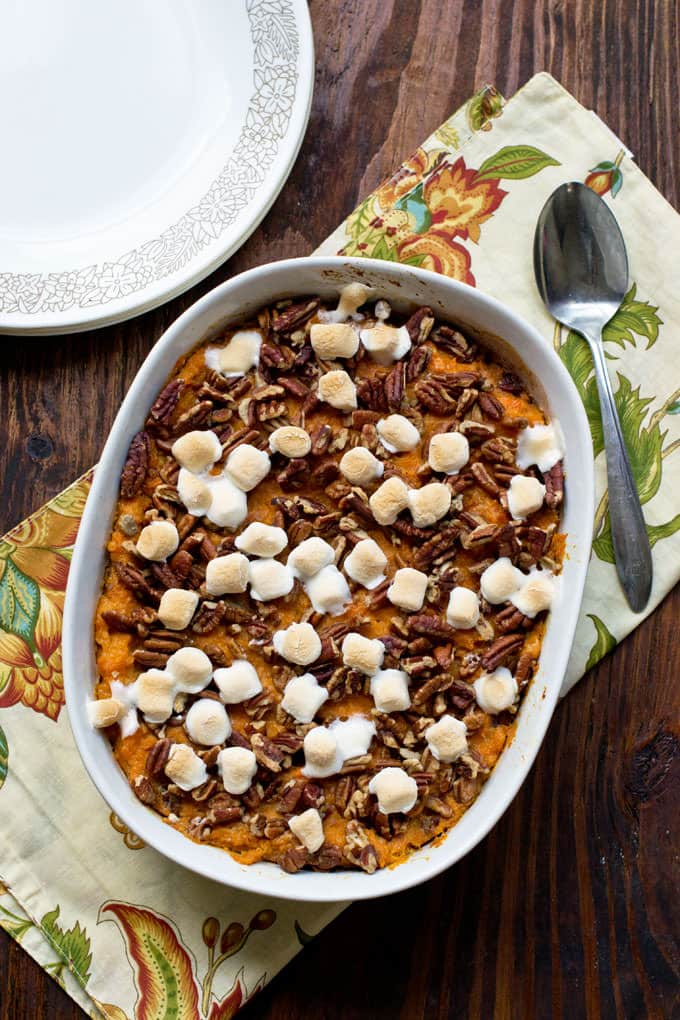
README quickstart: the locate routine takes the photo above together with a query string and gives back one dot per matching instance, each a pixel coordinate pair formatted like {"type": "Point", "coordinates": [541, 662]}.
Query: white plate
{"type": "Point", "coordinates": [144, 140]}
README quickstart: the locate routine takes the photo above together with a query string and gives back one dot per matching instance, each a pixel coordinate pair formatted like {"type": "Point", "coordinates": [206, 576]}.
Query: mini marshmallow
{"type": "Point", "coordinates": [184, 768]}
{"type": "Point", "coordinates": [397, 433]}
{"type": "Point", "coordinates": [536, 594]}
{"type": "Point", "coordinates": [229, 506]}
{"type": "Point", "coordinates": [237, 682]}
{"type": "Point", "coordinates": [395, 789]}
{"type": "Point", "coordinates": [238, 356]}
{"type": "Point", "coordinates": [389, 688]}
{"type": "Point", "coordinates": [157, 541]}
{"type": "Point", "coordinates": [105, 712]}
{"type": "Point", "coordinates": [298, 643]}
{"type": "Point", "coordinates": [177, 607]}
{"type": "Point", "coordinates": [328, 591]}
{"type": "Point", "coordinates": [322, 755]}
{"type": "Point", "coordinates": [207, 722]}
{"type": "Point", "coordinates": [386, 344]}
{"type": "Point", "coordinates": [270, 579]}
{"type": "Point", "coordinates": [127, 695]}
{"type": "Point", "coordinates": [354, 735]}
{"type": "Point", "coordinates": [541, 445]}
{"type": "Point", "coordinates": [360, 466]}
{"type": "Point", "coordinates": [303, 697]}
{"type": "Point", "coordinates": [448, 452]}
{"type": "Point", "coordinates": [194, 492]}
{"type": "Point", "coordinates": [351, 298]}
{"type": "Point", "coordinates": [197, 451]}
{"type": "Point", "coordinates": [462, 611]}
{"type": "Point", "coordinates": [525, 496]}
{"type": "Point", "coordinates": [237, 767]}
{"type": "Point", "coordinates": [311, 556]}
{"type": "Point", "coordinates": [227, 575]}
{"type": "Point", "coordinates": [247, 466]}
{"type": "Point", "coordinates": [333, 340]}
{"type": "Point", "coordinates": [429, 504]}
{"type": "Point", "coordinates": [362, 653]}
{"type": "Point", "coordinates": [155, 695]}
{"type": "Point", "coordinates": [337, 389]}
{"type": "Point", "coordinates": [408, 589]}
{"type": "Point", "coordinates": [308, 828]}
{"type": "Point", "coordinates": [290, 441]}
{"type": "Point", "coordinates": [190, 668]}
{"type": "Point", "coordinates": [262, 540]}
{"type": "Point", "coordinates": [447, 738]}
{"type": "Point", "coordinates": [388, 500]}
{"type": "Point", "coordinates": [495, 692]}
{"type": "Point", "coordinates": [500, 581]}
{"type": "Point", "coordinates": [366, 563]}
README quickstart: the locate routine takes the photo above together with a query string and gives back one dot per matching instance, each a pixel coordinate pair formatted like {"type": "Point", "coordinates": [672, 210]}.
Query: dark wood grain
{"type": "Point", "coordinates": [569, 907]}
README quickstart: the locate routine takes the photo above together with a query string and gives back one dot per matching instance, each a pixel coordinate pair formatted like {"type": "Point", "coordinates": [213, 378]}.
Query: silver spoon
{"type": "Point", "coordinates": [581, 270]}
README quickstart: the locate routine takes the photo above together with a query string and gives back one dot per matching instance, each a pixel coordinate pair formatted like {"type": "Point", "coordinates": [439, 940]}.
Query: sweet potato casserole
{"type": "Point", "coordinates": [333, 553]}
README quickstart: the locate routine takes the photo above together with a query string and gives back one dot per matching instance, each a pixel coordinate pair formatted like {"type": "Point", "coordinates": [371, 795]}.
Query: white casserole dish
{"type": "Point", "coordinates": [403, 287]}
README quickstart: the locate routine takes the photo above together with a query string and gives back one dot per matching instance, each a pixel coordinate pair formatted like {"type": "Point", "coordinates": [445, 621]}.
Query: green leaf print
{"type": "Point", "coordinates": [634, 318]}
{"type": "Point", "coordinates": [4, 757]}
{"type": "Point", "coordinates": [604, 642]}
{"type": "Point", "coordinates": [674, 408]}
{"type": "Point", "coordinates": [304, 938]}
{"type": "Point", "coordinates": [514, 163]}
{"type": "Point", "coordinates": [604, 548]}
{"type": "Point", "coordinates": [14, 925]}
{"type": "Point", "coordinates": [73, 945]}
{"type": "Point", "coordinates": [578, 360]}
{"type": "Point", "coordinates": [19, 603]}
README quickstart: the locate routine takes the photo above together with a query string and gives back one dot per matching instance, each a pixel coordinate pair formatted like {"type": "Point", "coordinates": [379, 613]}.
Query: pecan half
{"type": "Point", "coordinates": [501, 650]}
{"type": "Point", "coordinates": [371, 394]}
{"type": "Point", "coordinates": [430, 626]}
{"type": "Point", "coordinates": [484, 478]}
{"type": "Point", "coordinates": [208, 617]}
{"type": "Point", "coordinates": [554, 485]}
{"type": "Point", "coordinates": [394, 387]}
{"type": "Point", "coordinates": [266, 752]}
{"type": "Point", "coordinates": [166, 402]}
{"type": "Point", "coordinates": [294, 316]}
{"type": "Point", "coordinates": [136, 466]}
{"type": "Point", "coordinates": [453, 341]}
{"type": "Point", "coordinates": [417, 363]}
{"type": "Point", "coordinates": [491, 406]}
{"type": "Point", "coordinates": [437, 546]}
{"type": "Point", "coordinates": [157, 757]}
{"type": "Point", "coordinates": [294, 860]}
{"type": "Point", "coordinates": [511, 383]}
{"type": "Point", "coordinates": [135, 582]}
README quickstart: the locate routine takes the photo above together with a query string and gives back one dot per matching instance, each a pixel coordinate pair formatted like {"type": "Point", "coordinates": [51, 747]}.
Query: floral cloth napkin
{"type": "Point", "coordinates": [128, 933]}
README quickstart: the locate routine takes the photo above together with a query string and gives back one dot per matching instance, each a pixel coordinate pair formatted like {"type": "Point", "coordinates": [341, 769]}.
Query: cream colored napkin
{"type": "Point", "coordinates": [131, 935]}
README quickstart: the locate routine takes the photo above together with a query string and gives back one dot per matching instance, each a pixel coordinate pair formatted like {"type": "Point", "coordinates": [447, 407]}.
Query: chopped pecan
{"type": "Point", "coordinates": [273, 356]}
{"type": "Point", "coordinates": [466, 789]}
{"type": "Point", "coordinates": [195, 416]}
{"type": "Point", "coordinates": [294, 387]}
{"type": "Point", "coordinates": [453, 341]}
{"type": "Point", "coordinates": [465, 402]}
{"type": "Point", "coordinates": [510, 619]}
{"type": "Point", "coordinates": [394, 387]}
{"type": "Point", "coordinates": [511, 383]}
{"type": "Point", "coordinates": [501, 650]}
{"type": "Point", "coordinates": [476, 431]}
{"type": "Point", "coordinates": [294, 860]}
{"type": "Point", "coordinates": [135, 622]}
{"type": "Point", "coordinates": [368, 859]}
{"type": "Point", "coordinates": [417, 363]}
{"type": "Point", "coordinates": [266, 752]}
{"type": "Point", "coordinates": [371, 394]}
{"type": "Point", "coordinates": [432, 686]}
{"type": "Point", "coordinates": [327, 858]}
{"type": "Point", "coordinates": [145, 790]}
{"type": "Point", "coordinates": [150, 660]}
{"type": "Point", "coordinates": [163, 641]}
{"type": "Point", "coordinates": [204, 791]}
{"type": "Point", "coordinates": [554, 485]}
{"type": "Point", "coordinates": [244, 436]}
{"type": "Point", "coordinates": [208, 617]}
{"type": "Point", "coordinates": [136, 466]}
{"type": "Point", "coordinates": [524, 668]}
{"type": "Point", "coordinates": [343, 791]}
{"type": "Point", "coordinates": [430, 626]}
{"type": "Point", "coordinates": [292, 475]}
{"type": "Point", "coordinates": [135, 582]}
{"type": "Point", "coordinates": [288, 742]}
{"type": "Point", "coordinates": [293, 316]}
{"type": "Point", "coordinates": [439, 806]}
{"type": "Point", "coordinates": [479, 536]}
{"type": "Point", "coordinates": [485, 478]}
{"type": "Point", "coordinates": [312, 796]}
{"type": "Point", "coordinates": [223, 809]}
{"type": "Point", "coordinates": [361, 418]}
{"type": "Point", "coordinates": [460, 695]}
{"type": "Point", "coordinates": [326, 472]}
{"type": "Point", "coordinates": [434, 397]}
{"type": "Point", "coordinates": [491, 406]}
{"type": "Point", "coordinates": [166, 402]}
{"type": "Point", "coordinates": [508, 542]}
{"type": "Point", "coordinates": [470, 663]}
{"type": "Point", "coordinates": [274, 827]}
{"type": "Point", "coordinates": [157, 757]}
{"type": "Point", "coordinates": [290, 795]}
{"type": "Point", "coordinates": [437, 546]}
{"type": "Point", "coordinates": [499, 450]}
{"type": "Point", "coordinates": [411, 530]}
{"type": "Point", "coordinates": [535, 541]}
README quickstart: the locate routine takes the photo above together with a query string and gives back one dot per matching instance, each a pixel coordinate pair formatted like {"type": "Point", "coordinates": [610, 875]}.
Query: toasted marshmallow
{"type": "Point", "coordinates": [106, 712]}
{"type": "Point", "coordinates": [247, 466]}
{"type": "Point", "coordinates": [541, 445]}
{"type": "Point", "coordinates": [194, 492]}
{"type": "Point", "coordinates": [303, 697]}
{"type": "Point", "coordinates": [397, 433]}
{"type": "Point", "coordinates": [207, 722]}
{"type": "Point", "coordinates": [386, 344]}
{"type": "Point", "coordinates": [500, 581]}
{"type": "Point", "coordinates": [429, 504]}
{"type": "Point", "coordinates": [227, 575]}
{"type": "Point", "coordinates": [270, 579]}
{"type": "Point", "coordinates": [395, 789]}
{"type": "Point", "coordinates": [298, 643]}
{"type": "Point", "coordinates": [127, 695]}
{"type": "Point", "coordinates": [447, 738]}
{"type": "Point", "coordinates": [290, 441]}
{"type": "Point", "coordinates": [360, 466]}
{"type": "Point", "coordinates": [337, 389]}
{"type": "Point", "coordinates": [354, 735]}
{"type": "Point", "coordinates": [311, 556]}
{"type": "Point", "coordinates": [229, 506]}
{"type": "Point", "coordinates": [495, 692]}
{"type": "Point", "coordinates": [448, 452]}
{"type": "Point", "coordinates": [389, 688]}
{"type": "Point", "coordinates": [463, 608]}
{"type": "Point", "coordinates": [191, 669]}
{"type": "Point", "coordinates": [366, 563]}
{"type": "Point", "coordinates": [362, 653]}
{"type": "Point", "coordinates": [184, 768]}
{"type": "Point", "coordinates": [238, 356]}
{"type": "Point", "coordinates": [328, 591]}
{"type": "Point", "coordinates": [525, 496]}
{"type": "Point", "coordinates": [237, 682]}
{"type": "Point", "coordinates": [237, 767]}
{"type": "Point", "coordinates": [388, 500]}
{"type": "Point", "coordinates": [352, 297]}
{"type": "Point", "coordinates": [408, 589]}
{"type": "Point", "coordinates": [308, 828]}
{"type": "Point", "coordinates": [322, 754]}
{"type": "Point", "coordinates": [177, 607]}
{"type": "Point", "coordinates": [157, 541]}
{"type": "Point", "coordinates": [262, 540]}
{"type": "Point", "coordinates": [536, 594]}
{"type": "Point", "coordinates": [197, 451]}
{"type": "Point", "coordinates": [332, 340]}
{"type": "Point", "coordinates": [155, 695]}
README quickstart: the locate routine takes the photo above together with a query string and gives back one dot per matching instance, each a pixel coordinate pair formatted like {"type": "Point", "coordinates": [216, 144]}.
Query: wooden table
{"type": "Point", "coordinates": [566, 909]}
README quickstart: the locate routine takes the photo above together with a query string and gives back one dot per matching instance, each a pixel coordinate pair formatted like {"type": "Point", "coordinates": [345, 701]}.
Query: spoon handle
{"type": "Point", "coordinates": [632, 551]}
